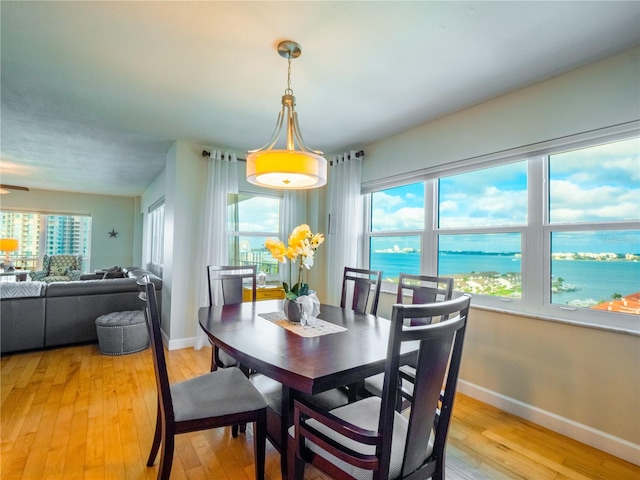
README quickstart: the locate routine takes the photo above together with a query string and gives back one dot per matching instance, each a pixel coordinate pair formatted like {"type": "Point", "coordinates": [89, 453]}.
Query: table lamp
{"type": "Point", "coordinates": [8, 245]}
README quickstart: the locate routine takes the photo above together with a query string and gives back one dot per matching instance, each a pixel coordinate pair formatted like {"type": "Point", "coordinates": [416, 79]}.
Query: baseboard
{"type": "Point", "coordinates": [179, 343]}
{"type": "Point", "coordinates": [583, 433]}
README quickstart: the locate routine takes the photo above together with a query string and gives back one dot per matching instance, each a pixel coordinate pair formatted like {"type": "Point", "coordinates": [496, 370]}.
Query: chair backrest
{"type": "Point", "coordinates": [148, 297]}
{"type": "Point", "coordinates": [423, 289]}
{"type": "Point", "coordinates": [226, 283]}
{"type": "Point", "coordinates": [358, 284]}
{"type": "Point", "coordinates": [59, 264]}
{"type": "Point", "coordinates": [438, 364]}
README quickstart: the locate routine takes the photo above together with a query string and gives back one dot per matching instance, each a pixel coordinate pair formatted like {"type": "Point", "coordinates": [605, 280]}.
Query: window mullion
{"type": "Point", "coordinates": [429, 257]}
{"type": "Point", "coordinates": [535, 246]}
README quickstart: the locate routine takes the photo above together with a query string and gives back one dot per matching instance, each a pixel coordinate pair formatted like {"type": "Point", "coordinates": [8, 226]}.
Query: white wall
{"type": "Point", "coordinates": [582, 382]}
{"type": "Point", "coordinates": [184, 182]}
{"type": "Point", "coordinates": [599, 95]}
{"type": "Point", "coordinates": [107, 213]}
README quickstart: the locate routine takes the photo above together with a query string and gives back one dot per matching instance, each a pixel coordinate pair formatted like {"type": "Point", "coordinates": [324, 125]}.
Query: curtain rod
{"type": "Point", "coordinates": [359, 153]}
{"type": "Point", "coordinates": [208, 154]}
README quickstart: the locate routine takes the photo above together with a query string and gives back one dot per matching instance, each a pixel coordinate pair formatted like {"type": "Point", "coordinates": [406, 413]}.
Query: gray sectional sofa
{"type": "Point", "coordinates": [38, 315]}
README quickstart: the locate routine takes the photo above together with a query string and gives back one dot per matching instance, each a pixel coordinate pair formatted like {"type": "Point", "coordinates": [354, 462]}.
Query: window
{"type": "Point", "coordinates": [251, 219]}
{"type": "Point", "coordinates": [156, 227]}
{"type": "Point", "coordinates": [397, 223]}
{"type": "Point", "coordinates": [555, 234]}
{"type": "Point", "coordinates": [594, 199]}
{"type": "Point", "coordinates": [46, 234]}
{"type": "Point", "coordinates": [481, 216]}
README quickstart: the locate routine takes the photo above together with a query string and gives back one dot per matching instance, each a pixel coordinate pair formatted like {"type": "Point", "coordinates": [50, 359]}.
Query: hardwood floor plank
{"type": "Point", "coordinates": [73, 413]}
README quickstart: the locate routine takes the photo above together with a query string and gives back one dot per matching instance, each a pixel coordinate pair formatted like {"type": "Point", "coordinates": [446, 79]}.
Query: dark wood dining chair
{"type": "Point", "coordinates": [361, 293]}
{"type": "Point", "coordinates": [226, 285]}
{"type": "Point", "coordinates": [369, 438]}
{"type": "Point", "coordinates": [357, 286]}
{"type": "Point", "coordinates": [412, 289]}
{"type": "Point", "coordinates": [416, 289]}
{"type": "Point", "coordinates": [216, 399]}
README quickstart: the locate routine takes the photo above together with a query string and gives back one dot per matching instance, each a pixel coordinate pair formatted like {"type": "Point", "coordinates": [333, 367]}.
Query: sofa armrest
{"type": "Point", "coordinates": [38, 275]}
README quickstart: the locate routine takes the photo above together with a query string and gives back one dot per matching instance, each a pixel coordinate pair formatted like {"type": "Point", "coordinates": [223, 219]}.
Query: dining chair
{"type": "Point", "coordinates": [412, 289]}
{"type": "Point", "coordinates": [226, 285]}
{"type": "Point", "coordinates": [216, 399]}
{"type": "Point", "coordinates": [415, 289]}
{"type": "Point", "coordinates": [369, 438]}
{"type": "Point", "coordinates": [357, 286]}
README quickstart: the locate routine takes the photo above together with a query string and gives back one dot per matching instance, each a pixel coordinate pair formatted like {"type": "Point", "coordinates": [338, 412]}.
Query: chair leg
{"type": "Point", "coordinates": [234, 431]}
{"type": "Point", "coordinates": [166, 457]}
{"type": "Point", "coordinates": [156, 440]}
{"type": "Point", "coordinates": [295, 464]}
{"type": "Point", "coordinates": [439, 473]}
{"type": "Point", "coordinates": [298, 473]}
{"type": "Point", "coordinates": [353, 389]}
{"type": "Point", "coordinates": [214, 367]}
{"type": "Point", "coordinates": [259, 443]}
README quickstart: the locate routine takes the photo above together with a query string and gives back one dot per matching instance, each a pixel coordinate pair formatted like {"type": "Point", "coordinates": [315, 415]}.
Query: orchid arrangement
{"type": "Point", "coordinates": [301, 248]}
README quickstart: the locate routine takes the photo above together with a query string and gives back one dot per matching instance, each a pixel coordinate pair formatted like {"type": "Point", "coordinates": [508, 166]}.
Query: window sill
{"type": "Point", "coordinates": [549, 318]}
{"type": "Point", "coordinates": [389, 290]}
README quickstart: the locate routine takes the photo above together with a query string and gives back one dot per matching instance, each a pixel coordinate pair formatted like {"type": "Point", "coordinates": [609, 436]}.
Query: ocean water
{"type": "Point", "coordinates": [592, 280]}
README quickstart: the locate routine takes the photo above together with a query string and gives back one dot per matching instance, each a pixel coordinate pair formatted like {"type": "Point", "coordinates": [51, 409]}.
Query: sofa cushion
{"type": "Point", "coordinates": [91, 287]}
{"type": "Point", "coordinates": [22, 289]}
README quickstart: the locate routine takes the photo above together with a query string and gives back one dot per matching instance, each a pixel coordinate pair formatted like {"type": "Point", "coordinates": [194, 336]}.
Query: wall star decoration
{"type": "Point", "coordinates": [113, 233]}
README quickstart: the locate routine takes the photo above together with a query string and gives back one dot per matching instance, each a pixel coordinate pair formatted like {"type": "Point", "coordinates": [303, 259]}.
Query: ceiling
{"type": "Point", "coordinates": [94, 93]}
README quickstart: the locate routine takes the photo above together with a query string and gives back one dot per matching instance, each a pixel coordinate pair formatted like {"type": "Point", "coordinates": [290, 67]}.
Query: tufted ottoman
{"type": "Point", "coordinates": [120, 333]}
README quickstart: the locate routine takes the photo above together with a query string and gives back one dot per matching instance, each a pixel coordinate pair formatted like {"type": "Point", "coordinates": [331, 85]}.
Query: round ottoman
{"type": "Point", "coordinates": [120, 333]}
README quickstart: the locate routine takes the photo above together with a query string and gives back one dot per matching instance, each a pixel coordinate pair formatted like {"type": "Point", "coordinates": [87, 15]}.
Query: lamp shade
{"type": "Point", "coordinates": [8, 244]}
{"type": "Point", "coordinates": [289, 169]}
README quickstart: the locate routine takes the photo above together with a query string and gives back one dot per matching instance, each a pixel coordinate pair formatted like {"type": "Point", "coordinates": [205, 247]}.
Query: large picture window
{"type": "Point", "coordinates": [41, 234]}
{"type": "Point", "coordinates": [477, 244]}
{"type": "Point", "coordinates": [594, 203]}
{"type": "Point", "coordinates": [156, 224]}
{"type": "Point", "coordinates": [554, 234]}
{"type": "Point", "coordinates": [397, 214]}
{"type": "Point", "coordinates": [251, 219]}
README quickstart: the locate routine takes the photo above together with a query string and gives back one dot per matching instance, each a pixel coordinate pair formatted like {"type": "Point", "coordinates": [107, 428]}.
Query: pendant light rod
{"type": "Point", "coordinates": [289, 168]}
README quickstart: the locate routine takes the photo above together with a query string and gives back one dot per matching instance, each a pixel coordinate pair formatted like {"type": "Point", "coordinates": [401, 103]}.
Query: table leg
{"type": "Point", "coordinates": [286, 420]}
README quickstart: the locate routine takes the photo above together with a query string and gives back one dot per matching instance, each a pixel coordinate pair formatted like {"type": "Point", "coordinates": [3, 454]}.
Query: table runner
{"type": "Point", "coordinates": [319, 328]}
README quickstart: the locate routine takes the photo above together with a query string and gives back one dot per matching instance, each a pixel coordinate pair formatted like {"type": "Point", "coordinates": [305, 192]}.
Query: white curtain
{"type": "Point", "coordinates": [345, 221]}
{"type": "Point", "coordinates": [222, 178]}
{"type": "Point", "coordinates": [294, 207]}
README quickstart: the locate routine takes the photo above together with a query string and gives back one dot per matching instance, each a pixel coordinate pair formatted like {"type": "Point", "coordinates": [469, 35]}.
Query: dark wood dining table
{"type": "Point", "coordinates": [300, 364]}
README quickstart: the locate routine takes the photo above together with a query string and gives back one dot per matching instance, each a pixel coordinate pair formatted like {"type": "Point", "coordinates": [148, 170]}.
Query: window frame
{"type": "Point", "coordinates": [535, 300]}
{"type": "Point", "coordinates": [44, 241]}
{"type": "Point", "coordinates": [271, 277]}
{"type": "Point", "coordinates": [156, 237]}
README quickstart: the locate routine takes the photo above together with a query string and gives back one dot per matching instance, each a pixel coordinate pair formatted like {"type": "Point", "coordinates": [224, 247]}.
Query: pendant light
{"type": "Point", "coordinates": [288, 169]}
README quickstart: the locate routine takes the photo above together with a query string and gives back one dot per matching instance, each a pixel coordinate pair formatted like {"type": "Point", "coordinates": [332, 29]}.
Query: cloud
{"type": "Point", "coordinates": [259, 214]}
{"type": "Point", "coordinates": [570, 202]}
{"type": "Point", "coordinates": [406, 218]}
{"type": "Point", "coordinates": [385, 202]}
{"type": "Point", "coordinates": [493, 207]}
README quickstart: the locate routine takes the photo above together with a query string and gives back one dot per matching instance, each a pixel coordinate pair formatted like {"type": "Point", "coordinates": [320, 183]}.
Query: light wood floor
{"type": "Point", "coordinates": [72, 413]}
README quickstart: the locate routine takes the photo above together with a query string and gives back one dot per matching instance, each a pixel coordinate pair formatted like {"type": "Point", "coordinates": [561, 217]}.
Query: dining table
{"type": "Point", "coordinates": [342, 348]}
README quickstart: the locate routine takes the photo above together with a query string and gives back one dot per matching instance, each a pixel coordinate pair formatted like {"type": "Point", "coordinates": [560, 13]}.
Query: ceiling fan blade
{"type": "Point", "coordinates": [13, 187]}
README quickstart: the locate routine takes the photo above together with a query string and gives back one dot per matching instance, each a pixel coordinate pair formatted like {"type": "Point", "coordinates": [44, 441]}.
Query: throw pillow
{"type": "Point", "coordinates": [57, 270]}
